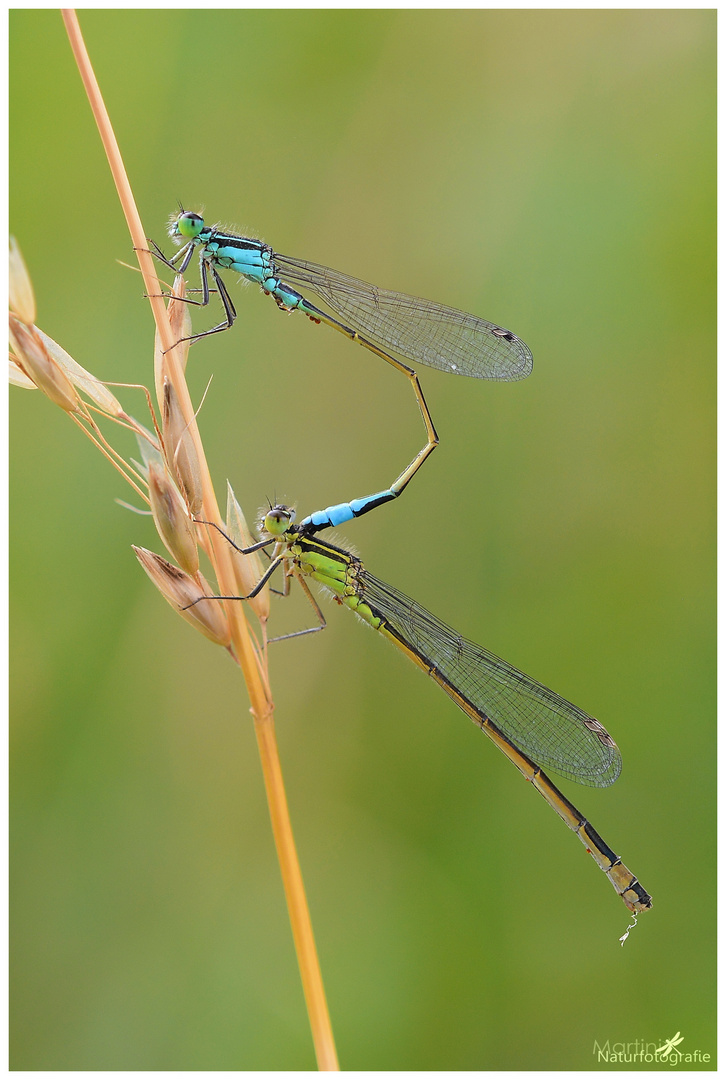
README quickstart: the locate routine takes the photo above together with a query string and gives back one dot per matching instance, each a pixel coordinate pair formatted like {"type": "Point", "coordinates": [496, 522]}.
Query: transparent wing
{"type": "Point", "coordinates": [425, 332]}
{"type": "Point", "coordinates": [551, 731]}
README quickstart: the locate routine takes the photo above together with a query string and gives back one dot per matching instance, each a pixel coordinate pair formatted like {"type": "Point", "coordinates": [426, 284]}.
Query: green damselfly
{"type": "Point", "coordinates": [419, 330]}
{"type": "Point", "coordinates": [531, 725]}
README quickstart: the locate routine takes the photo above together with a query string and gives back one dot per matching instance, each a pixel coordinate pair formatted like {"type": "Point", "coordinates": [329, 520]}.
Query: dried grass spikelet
{"type": "Point", "coordinates": [248, 569]}
{"type": "Point", "coordinates": [171, 518]}
{"type": "Point", "coordinates": [40, 357]}
{"type": "Point", "coordinates": [180, 320]}
{"type": "Point", "coordinates": [33, 357]}
{"type": "Point", "coordinates": [179, 589]}
{"type": "Point", "coordinates": [20, 287]}
{"type": "Point", "coordinates": [181, 454]}
{"type": "Point", "coordinates": [17, 377]}
{"type": "Point", "coordinates": [83, 380]}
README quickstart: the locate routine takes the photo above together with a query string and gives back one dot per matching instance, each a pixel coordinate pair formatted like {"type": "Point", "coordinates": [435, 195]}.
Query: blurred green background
{"type": "Point", "coordinates": [552, 171]}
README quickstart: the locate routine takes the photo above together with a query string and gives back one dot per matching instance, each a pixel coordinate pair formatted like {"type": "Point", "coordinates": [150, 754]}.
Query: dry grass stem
{"type": "Point", "coordinates": [175, 479]}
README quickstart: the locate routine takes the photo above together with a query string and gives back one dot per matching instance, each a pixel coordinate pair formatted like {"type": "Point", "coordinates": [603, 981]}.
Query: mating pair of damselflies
{"type": "Point", "coordinates": [533, 726]}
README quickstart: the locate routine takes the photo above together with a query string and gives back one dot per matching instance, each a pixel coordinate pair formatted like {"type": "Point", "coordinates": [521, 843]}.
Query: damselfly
{"type": "Point", "coordinates": [419, 330]}
{"type": "Point", "coordinates": [531, 725]}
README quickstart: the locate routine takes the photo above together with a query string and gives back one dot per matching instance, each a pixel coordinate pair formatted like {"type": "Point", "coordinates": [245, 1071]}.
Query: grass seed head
{"type": "Point", "coordinates": [180, 319]}
{"type": "Point", "coordinates": [22, 298]}
{"type": "Point", "coordinates": [87, 383]}
{"type": "Point", "coordinates": [179, 589]}
{"type": "Point", "coordinates": [181, 454]}
{"type": "Point", "coordinates": [172, 518]}
{"type": "Point", "coordinates": [17, 376]}
{"type": "Point", "coordinates": [35, 360]}
{"type": "Point", "coordinates": [248, 569]}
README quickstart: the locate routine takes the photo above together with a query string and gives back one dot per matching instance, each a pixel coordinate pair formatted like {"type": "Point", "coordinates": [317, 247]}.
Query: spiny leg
{"type": "Point", "coordinates": [316, 607]}
{"type": "Point", "coordinates": [229, 308]}
{"type": "Point", "coordinates": [243, 551]}
{"type": "Point", "coordinates": [169, 295]}
{"type": "Point", "coordinates": [288, 572]}
{"type": "Point", "coordinates": [251, 595]}
{"type": "Point", "coordinates": [186, 253]}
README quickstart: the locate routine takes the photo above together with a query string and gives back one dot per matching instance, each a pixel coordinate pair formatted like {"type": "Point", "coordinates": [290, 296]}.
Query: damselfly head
{"type": "Point", "coordinates": [186, 225]}
{"type": "Point", "coordinates": [277, 520]}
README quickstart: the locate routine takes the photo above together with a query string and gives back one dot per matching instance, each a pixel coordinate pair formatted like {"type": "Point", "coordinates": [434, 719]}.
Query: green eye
{"type": "Point", "coordinates": [277, 520]}
{"type": "Point", "coordinates": [189, 225]}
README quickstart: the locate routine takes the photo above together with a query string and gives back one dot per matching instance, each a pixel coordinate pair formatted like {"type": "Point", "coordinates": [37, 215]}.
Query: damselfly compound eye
{"type": "Point", "coordinates": [278, 519]}
{"type": "Point", "coordinates": [189, 225]}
